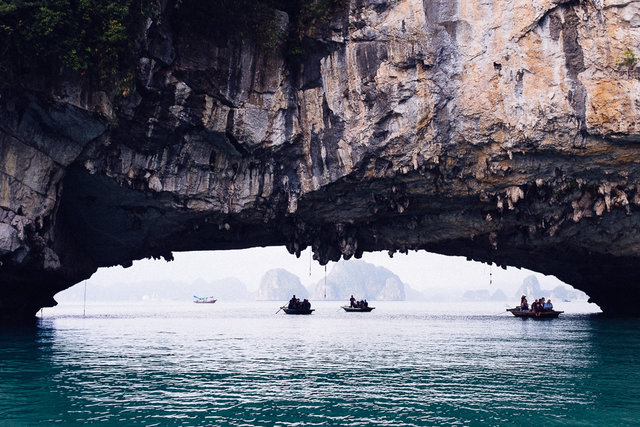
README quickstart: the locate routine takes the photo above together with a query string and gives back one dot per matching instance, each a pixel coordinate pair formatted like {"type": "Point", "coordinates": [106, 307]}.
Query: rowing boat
{"type": "Point", "coordinates": [541, 315]}
{"type": "Point", "coordinates": [297, 310]}
{"type": "Point", "coordinates": [357, 309]}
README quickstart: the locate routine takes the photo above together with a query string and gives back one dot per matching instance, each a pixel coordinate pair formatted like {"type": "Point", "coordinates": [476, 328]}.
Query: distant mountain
{"type": "Point", "coordinates": [442, 295]}
{"type": "Point", "coordinates": [229, 289]}
{"type": "Point", "coordinates": [223, 289]}
{"type": "Point", "coordinates": [562, 293]}
{"type": "Point", "coordinates": [280, 285]}
{"type": "Point", "coordinates": [362, 280]}
{"type": "Point", "coordinates": [499, 295]}
{"type": "Point", "coordinates": [413, 294]}
{"type": "Point", "coordinates": [531, 288]}
{"type": "Point", "coordinates": [476, 295]}
{"type": "Point", "coordinates": [484, 295]}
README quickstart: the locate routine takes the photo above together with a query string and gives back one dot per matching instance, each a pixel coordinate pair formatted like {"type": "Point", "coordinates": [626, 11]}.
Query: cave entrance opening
{"type": "Point", "coordinates": [272, 273]}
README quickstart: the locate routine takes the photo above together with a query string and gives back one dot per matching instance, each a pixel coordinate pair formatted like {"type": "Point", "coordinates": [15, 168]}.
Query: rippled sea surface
{"type": "Point", "coordinates": [241, 364]}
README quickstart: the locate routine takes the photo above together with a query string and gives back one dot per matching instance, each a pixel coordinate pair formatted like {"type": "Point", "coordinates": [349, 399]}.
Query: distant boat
{"type": "Point", "coordinates": [297, 310]}
{"type": "Point", "coordinates": [204, 300]}
{"type": "Point", "coordinates": [542, 315]}
{"type": "Point", "coordinates": [357, 309]}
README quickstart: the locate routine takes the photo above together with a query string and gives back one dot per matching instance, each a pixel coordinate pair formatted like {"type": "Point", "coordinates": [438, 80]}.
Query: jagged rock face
{"type": "Point", "coordinates": [500, 130]}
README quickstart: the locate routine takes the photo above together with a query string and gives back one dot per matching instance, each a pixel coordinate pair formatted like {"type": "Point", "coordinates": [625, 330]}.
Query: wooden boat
{"type": "Point", "coordinates": [542, 315]}
{"type": "Point", "coordinates": [297, 310]}
{"type": "Point", "coordinates": [350, 309]}
{"type": "Point", "coordinates": [204, 300]}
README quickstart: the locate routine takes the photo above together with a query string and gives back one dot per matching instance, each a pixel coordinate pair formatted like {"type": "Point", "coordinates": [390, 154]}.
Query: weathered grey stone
{"type": "Point", "coordinates": [9, 240]}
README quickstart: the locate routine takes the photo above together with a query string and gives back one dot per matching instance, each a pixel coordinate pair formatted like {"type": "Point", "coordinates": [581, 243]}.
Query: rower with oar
{"type": "Point", "coordinates": [297, 307]}
{"type": "Point", "coordinates": [294, 303]}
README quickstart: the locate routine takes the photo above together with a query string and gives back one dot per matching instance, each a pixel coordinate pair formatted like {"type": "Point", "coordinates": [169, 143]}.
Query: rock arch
{"type": "Point", "coordinates": [395, 131]}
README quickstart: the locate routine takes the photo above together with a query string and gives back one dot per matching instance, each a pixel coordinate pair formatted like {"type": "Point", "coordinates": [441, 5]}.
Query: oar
{"type": "Point", "coordinates": [280, 309]}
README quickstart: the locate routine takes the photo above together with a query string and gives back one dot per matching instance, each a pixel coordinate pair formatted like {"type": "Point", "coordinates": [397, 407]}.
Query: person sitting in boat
{"type": "Point", "coordinates": [548, 306]}
{"type": "Point", "coordinates": [535, 307]}
{"type": "Point", "coordinates": [294, 302]}
{"type": "Point", "coordinates": [540, 306]}
{"type": "Point", "coordinates": [524, 305]}
{"type": "Point", "coordinates": [306, 305]}
{"type": "Point", "coordinates": [365, 304]}
{"type": "Point", "coordinates": [352, 301]}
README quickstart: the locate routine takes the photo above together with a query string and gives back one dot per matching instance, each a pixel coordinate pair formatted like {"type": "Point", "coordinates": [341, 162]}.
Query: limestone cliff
{"type": "Point", "coordinates": [360, 279]}
{"type": "Point", "coordinates": [503, 130]}
{"type": "Point", "coordinates": [280, 285]}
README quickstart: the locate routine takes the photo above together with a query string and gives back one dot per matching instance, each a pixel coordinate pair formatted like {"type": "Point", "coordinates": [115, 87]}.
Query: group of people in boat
{"type": "Point", "coordinates": [538, 306]}
{"type": "Point", "coordinates": [358, 304]}
{"type": "Point", "coordinates": [296, 304]}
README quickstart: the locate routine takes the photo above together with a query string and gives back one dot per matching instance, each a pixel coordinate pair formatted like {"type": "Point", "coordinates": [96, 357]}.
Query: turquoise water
{"type": "Point", "coordinates": [402, 364]}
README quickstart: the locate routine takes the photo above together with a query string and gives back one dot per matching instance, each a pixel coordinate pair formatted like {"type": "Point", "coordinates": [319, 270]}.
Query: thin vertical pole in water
{"type": "Point", "coordinates": [84, 306]}
{"type": "Point", "coordinates": [490, 274]}
{"type": "Point", "coordinates": [310, 260]}
{"type": "Point", "coordinates": [325, 281]}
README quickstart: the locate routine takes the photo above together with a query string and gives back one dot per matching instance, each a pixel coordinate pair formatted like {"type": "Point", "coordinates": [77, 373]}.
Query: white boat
{"type": "Point", "coordinates": [204, 300]}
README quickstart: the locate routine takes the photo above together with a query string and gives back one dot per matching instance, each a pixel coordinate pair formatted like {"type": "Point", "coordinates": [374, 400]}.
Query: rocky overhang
{"type": "Point", "coordinates": [505, 131]}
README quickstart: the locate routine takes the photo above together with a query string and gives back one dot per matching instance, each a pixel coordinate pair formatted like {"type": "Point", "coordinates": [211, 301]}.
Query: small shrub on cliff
{"type": "Point", "coordinates": [310, 17]}
{"type": "Point", "coordinates": [628, 62]}
{"type": "Point", "coordinates": [315, 14]}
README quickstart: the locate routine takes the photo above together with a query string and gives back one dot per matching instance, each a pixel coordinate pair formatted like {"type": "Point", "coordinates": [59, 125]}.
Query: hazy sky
{"type": "Point", "coordinates": [421, 270]}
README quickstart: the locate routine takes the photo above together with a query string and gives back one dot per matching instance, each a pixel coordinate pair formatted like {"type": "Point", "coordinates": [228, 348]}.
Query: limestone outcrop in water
{"type": "Point", "coordinates": [503, 130]}
{"type": "Point", "coordinates": [279, 285]}
{"type": "Point", "coordinates": [360, 279]}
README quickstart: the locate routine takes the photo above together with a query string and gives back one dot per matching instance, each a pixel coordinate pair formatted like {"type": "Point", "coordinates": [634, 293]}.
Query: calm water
{"type": "Point", "coordinates": [402, 364]}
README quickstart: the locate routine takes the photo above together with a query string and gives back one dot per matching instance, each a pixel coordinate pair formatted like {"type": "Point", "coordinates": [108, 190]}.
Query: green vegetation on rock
{"type": "Point", "coordinates": [250, 19]}
{"type": "Point", "coordinates": [628, 62]}
{"type": "Point", "coordinates": [257, 20]}
{"type": "Point", "coordinates": [93, 37]}
{"type": "Point", "coordinates": [100, 39]}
